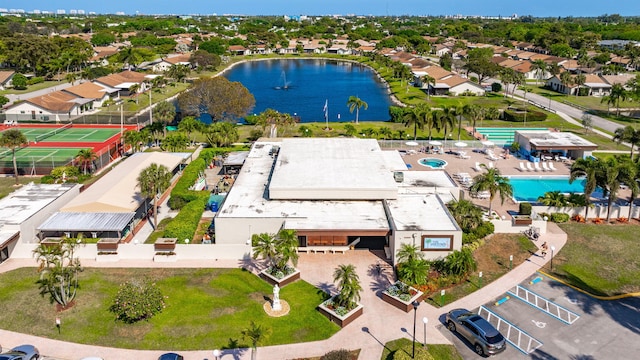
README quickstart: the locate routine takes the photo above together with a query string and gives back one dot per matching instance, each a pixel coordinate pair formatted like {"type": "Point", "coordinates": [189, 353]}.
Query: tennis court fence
{"type": "Point", "coordinates": [42, 165]}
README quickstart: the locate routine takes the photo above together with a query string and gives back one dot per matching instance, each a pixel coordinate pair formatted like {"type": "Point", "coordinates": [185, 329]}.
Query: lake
{"type": "Point", "coordinates": [301, 87]}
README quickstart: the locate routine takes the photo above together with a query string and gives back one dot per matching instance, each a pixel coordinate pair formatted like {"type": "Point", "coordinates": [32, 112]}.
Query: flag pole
{"type": "Point", "coordinates": [326, 114]}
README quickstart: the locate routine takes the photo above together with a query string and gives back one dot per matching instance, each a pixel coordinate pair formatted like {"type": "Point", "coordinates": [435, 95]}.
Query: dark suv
{"type": "Point", "coordinates": [485, 339]}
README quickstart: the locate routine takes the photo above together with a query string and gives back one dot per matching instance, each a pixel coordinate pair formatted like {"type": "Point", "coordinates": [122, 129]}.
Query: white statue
{"type": "Point", "coordinates": [276, 299]}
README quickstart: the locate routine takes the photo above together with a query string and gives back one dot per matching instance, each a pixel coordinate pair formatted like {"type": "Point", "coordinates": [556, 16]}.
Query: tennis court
{"type": "Point", "coordinates": [68, 134]}
{"type": "Point", "coordinates": [30, 159]}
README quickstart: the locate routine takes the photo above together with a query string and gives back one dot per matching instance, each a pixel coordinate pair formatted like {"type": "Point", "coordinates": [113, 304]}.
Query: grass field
{"type": "Point", "coordinates": [600, 258]}
{"type": "Point", "coordinates": [205, 309]}
{"type": "Point", "coordinates": [437, 351]}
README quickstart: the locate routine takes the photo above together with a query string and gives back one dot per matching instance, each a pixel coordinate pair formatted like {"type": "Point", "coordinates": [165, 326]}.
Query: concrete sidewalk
{"type": "Point", "coordinates": [379, 324]}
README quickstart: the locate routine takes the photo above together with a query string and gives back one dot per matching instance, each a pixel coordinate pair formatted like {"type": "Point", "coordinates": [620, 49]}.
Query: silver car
{"type": "Point", "coordinates": [485, 339]}
{"type": "Point", "coordinates": [22, 352]}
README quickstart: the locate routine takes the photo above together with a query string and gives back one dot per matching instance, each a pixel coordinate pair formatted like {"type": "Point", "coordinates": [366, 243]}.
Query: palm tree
{"type": "Point", "coordinates": [133, 138]}
{"type": "Point", "coordinates": [493, 182]}
{"type": "Point", "coordinates": [567, 80]}
{"type": "Point", "coordinates": [413, 272]}
{"type": "Point", "coordinates": [633, 184]}
{"type": "Point", "coordinates": [13, 139]}
{"type": "Point", "coordinates": [587, 168]}
{"type": "Point", "coordinates": [189, 125]}
{"type": "Point", "coordinates": [579, 80]}
{"type": "Point", "coordinates": [274, 119]}
{"type": "Point", "coordinates": [414, 117]}
{"type": "Point", "coordinates": [426, 79]}
{"type": "Point", "coordinates": [613, 173]}
{"type": "Point", "coordinates": [355, 103]}
{"type": "Point", "coordinates": [474, 113]}
{"type": "Point", "coordinates": [221, 133]}
{"type": "Point", "coordinates": [254, 333]}
{"type": "Point", "coordinates": [133, 91]}
{"type": "Point", "coordinates": [618, 93]}
{"type": "Point", "coordinates": [130, 56]}
{"type": "Point", "coordinates": [278, 249]}
{"type": "Point", "coordinates": [153, 181]}
{"type": "Point", "coordinates": [627, 134]}
{"type": "Point", "coordinates": [71, 78]}
{"type": "Point", "coordinates": [86, 156]}
{"type": "Point", "coordinates": [553, 198]}
{"type": "Point", "coordinates": [165, 112]}
{"type": "Point", "coordinates": [349, 287]}
{"type": "Point", "coordinates": [265, 246]}
{"type": "Point", "coordinates": [445, 119]}
{"type": "Point", "coordinates": [540, 68]}
{"type": "Point", "coordinates": [408, 253]}
{"type": "Point", "coordinates": [287, 241]}
{"type": "Point", "coordinates": [467, 214]}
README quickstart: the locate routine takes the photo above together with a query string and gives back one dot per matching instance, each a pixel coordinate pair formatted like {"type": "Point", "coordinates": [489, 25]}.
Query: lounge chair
{"type": "Point", "coordinates": [522, 168]}
{"type": "Point", "coordinates": [551, 167]}
{"type": "Point", "coordinates": [490, 166]}
{"type": "Point", "coordinates": [536, 166]}
{"type": "Point", "coordinates": [477, 167]}
{"type": "Point", "coordinates": [529, 167]}
{"type": "Point", "coordinates": [544, 167]}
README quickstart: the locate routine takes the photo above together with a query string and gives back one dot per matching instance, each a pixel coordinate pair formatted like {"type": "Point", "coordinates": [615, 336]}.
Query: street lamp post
{"type": "Point", "coordinates": [216, 354]}
{"type": "Point", "coordinates": [425, 321]}
{"type": "Point", "coordinates": [553, 248]}
{"type": "Point", "coordinates": [415, 312]}
{"type": "Point", "coordinates": [510, 262]}
{"type": "Point", "coordinates": [480, 278]}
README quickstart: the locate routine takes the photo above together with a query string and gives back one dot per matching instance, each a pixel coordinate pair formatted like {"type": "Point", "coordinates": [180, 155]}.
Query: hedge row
{"type": "Point", "coordinates": [181, 194]}
{"type": "Point", "coordinates": [184, 225]}
{"type": "Point", "coordinates": [519, 116]}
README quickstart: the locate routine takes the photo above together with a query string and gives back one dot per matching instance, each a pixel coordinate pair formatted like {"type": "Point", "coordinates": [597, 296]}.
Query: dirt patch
{"type": "Point", "coordinates": [493, 257]}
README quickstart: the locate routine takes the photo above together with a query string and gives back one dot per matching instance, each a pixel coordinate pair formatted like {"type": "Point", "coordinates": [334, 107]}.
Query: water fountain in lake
{"type": "Point", "coordinates": [285, 84]}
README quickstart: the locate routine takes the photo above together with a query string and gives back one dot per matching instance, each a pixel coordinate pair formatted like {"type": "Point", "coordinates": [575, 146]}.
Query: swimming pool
{"type": "Point", "coordinates": [529, 188]}
{"type": "Point", "coordinates": [433, 163]}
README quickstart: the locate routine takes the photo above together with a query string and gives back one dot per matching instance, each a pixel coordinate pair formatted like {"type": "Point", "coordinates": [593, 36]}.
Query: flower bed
{"type": "Point", "coordinates": [519, 220]}
{"type": "Point", "coordinates": [108, 245]}
{"type": "Point", "coordinates": [279, 277]}
{"type": "Point", "coordinates": [338, 314]}
{"type": "Point", "coordinates": [402, 296]}
{"type": "Point", "coordinates": [165, 256]}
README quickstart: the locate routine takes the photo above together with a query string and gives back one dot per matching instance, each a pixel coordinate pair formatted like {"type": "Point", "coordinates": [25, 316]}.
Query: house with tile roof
{"type": "Point", "coordinates": [89, 90]}
{"type": "Point", "coordinates": [596, 85]}
{"type": "Point", "coordinates": [122, 82]}
{"type": "Point", "coordinates": [5, 79]}
{"type": "Point", "coordinates": [166, 63]}
{"type": "Point", "coordinates": [54, 106]}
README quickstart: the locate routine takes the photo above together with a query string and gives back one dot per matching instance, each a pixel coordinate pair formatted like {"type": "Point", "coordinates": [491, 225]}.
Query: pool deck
{"type": "Point", "coordinates": [509, 166]}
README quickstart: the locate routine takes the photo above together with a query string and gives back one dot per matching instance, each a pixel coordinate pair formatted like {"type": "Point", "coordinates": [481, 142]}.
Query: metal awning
{"type": "Point", "coordinates": [97, 222]}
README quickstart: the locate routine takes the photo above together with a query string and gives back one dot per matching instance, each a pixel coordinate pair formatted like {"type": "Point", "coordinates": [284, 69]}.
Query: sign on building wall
{"type": "Point", "coordinates": [437, 242]}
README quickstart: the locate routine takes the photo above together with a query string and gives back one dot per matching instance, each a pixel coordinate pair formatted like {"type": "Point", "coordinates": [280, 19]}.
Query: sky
{"type": "Point", "coordinates": [541, 8]}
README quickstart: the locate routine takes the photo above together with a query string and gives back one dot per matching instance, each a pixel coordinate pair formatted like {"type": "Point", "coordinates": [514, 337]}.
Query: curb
{"type": "Point", "coordinates": [606, 298]}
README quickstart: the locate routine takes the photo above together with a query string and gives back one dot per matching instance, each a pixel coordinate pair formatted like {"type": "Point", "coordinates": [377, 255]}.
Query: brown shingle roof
{"type": "Point", "coordinates": [87, 90]}
{"type": "Point", "coordinates": [116, 79]}
{"type": "Point", "coordinates": [178, 58]}
{"type": "Point", "coordinates": [5, 76]}
{"type": "Point", "coordinates": [57, 101]}
{"type": "Point", "coordinates": [437, 72]}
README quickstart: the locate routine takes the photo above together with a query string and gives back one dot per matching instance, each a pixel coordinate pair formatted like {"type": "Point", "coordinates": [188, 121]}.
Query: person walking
{"type": "Point", "coordinates": [544, 249]}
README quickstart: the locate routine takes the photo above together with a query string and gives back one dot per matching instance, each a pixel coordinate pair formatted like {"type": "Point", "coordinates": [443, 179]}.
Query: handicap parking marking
{"type": "Point", "coordinates": [515, 336]}
{"type": "Point", "coordinates": [539, 324]}
{"type": "Point", "coordinates": [543, 304]}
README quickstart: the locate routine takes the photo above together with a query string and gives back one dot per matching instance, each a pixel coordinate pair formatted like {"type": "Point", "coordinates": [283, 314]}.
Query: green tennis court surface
{"type": "Point", "coordinates": [68, 135]}
{"type": "Point", "coordinates": [30, 155]}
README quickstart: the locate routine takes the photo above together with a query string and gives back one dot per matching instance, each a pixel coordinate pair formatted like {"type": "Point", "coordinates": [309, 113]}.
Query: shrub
{"type": "Point", "coordinates": [397, 113]}
{"type": "Point", "coordinates": [184, 225]}
{"type": "Point", "coordinates": [137, 300]}
{"type": "Point", "coordinates": [519, 116]}
{"type": "Point", "coordinates": [341, 354]}
{"type": "Point", "coordinates": [496, 87]}
{"type": "Point", "coordinates": [559, 217]}
{"type": "Point", "coordinates": [19, 82]}
{"type": "Point", "coordinates": [525, 208]}
{"type": "Point", "coordinates": [484, 229]}
{"type": "Point", "coordinates": [35, 80]}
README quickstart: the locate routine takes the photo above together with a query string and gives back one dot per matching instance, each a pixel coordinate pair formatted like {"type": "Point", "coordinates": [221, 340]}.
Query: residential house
{"type": "Point", "coordinates": [622, 61]}
{"type": "Point", "coordinates": [6, 78]}
{"type": "Point", "coordinates": [101, 54]}
{"type": "Point", "coordinates": [122, 82]}
{"type": "Point", "coordinates": [165, 64]}
{"type": "Point", "coordinates": [56, 105]}
{"type": "Point", "coordinates": [89, 90]}
{"type": "Point", "coordinates": [446, 82]}
{"type": "Point", "coordinates": [441, 49]}
{"type": "Point", "coordinates": [238, 50]}
{"type": "Point", "coordinates": [596, 86]}
{"type": "Point", "coordinates": [290, 49]}
{"type": "Point", "coordinates": [555, 84]}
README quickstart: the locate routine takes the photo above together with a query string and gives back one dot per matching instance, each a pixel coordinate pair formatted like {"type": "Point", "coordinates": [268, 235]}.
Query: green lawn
{"type": "Point", "coordinates": [601, 259]}
{"type": "Point", "coordinates": [35, 87]}
{"type": "Point", "coordinates": [437, 351]}
{"type": "Point", "coordinates": [205, 309]}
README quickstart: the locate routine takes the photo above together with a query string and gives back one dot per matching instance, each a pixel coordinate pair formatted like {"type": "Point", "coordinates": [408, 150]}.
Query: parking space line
{"type": "Point", "coordinates": [543, 304]}
{"type": "Point", "coordinates": [511, 330]}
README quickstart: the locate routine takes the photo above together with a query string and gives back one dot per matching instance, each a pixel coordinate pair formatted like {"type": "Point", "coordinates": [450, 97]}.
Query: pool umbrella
{"type": "Point", "coordinates": [460, 144]}
{"type": "Point", "coordinates": [412, 143]}
{"type": "Point", "coordinates": [435, 142]}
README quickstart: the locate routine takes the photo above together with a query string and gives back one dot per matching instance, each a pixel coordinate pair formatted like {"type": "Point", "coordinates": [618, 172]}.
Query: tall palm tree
{"type": "Point", "coordinates": [165, 112]}
{"type": "Point", "coordinates": [254, 333]}
{"type": "Point", "coordinates": [414, 117]}
{"type": "Point", "coordinates": [627, 134]}
{"type": "Point", "coordinates": [553, 198]}
{"type": "Point", "coordinates": [349, 287]}
{"type": "Point", "coordinates": [265, 246]}
{"type": "Point", "coordinates": [13, 139]}
{"type": "Point", "coordinates": [274, 119]}
{"type": "Point", "coordinates": [189, 125]}
{"type": "Point", "coordinates": [614, 172]}
{"type": "Point", "coordinates": [429, 80]}
{"type": "Point", "coordinates": [445, 119]}
{"type": "Point", "coordinates": [567, 80]}
{"type": "Point", "coordinates": [221, 133]}
{"type": "Point", "coordinates": [617, 94]}
{"type": "Point", "coordinates": [587, 168]}
{"type": "Point", "coordinates": [153, 181]}
{"type": "Point", "coordinates": [540, 68]}
{"type": "Point", "coordinates": [86, 157]}
{"type": "Point", "coordinates": [634, 185]}
{"type": "Point", "coordinates": [133, 91]}
{"type": "Point", "coordinates": [579, 80]}
{"type": "Point", "coordinates": [474, 113]}
{"type": "Point", "coordinates": [493, 182]}
{"type": "Point", "coordinates": [287, 241]}
{"type": "Point", "coordinates": [133, 138]}
{"type": "Point", "coordinates": [355, 103]}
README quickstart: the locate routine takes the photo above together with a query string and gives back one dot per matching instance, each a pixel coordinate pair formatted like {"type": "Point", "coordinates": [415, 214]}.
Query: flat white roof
{"type": "Point", "coordinates": [23, 203]}
{"type": "Point", "coordinates": [415, 212]}
{"type": "Point", "coordinates": [544, 139]}
{"type": "Point", "coordinates": [334, 168]}
{"type": "Point", "coordinates": [431, 181]}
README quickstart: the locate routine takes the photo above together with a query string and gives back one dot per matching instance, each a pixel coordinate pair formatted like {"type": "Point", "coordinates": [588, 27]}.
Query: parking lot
{"type": "Point", "coordinates": [543, 319]}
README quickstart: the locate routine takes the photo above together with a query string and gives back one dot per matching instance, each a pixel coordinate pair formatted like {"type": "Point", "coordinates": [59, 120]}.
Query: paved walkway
{"type": "Point", "coordinates": [379, 324]}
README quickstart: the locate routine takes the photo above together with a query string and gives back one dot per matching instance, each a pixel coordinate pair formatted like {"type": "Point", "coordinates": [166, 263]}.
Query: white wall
{"type": "Point", "coordinates": [598, 210]}
{"type": "Point", "coordinates": [459, 89]}
{"type": "Point", "coordinates": [506, 227]}
{"type": "Point", "coordinates": [406, 237]}
{"type": "Point", "coordinates": [237, 231]}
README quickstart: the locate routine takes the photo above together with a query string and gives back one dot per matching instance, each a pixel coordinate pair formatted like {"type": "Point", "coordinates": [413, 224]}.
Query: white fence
{"type": "Point", "coordinates": [598, 210]}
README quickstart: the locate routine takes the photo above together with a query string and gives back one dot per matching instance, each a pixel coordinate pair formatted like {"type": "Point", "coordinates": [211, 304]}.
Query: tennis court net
{"type": "Point", "coordinates": [53, 132]}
